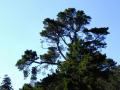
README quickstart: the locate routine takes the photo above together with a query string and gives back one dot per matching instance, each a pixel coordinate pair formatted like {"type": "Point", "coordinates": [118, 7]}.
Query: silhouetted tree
{"type": "Point", "coordinates": [76, 51]}
{"type": "Point", "coordinates": [6, 83]}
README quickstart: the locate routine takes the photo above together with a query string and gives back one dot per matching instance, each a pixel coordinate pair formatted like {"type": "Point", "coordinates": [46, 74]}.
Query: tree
{"type": "Point", "coordinates": [57, 32]}
{"type": "Point", "coordinates": [6, 83]}
{"type": "Point", "coordinates": [75, 50]}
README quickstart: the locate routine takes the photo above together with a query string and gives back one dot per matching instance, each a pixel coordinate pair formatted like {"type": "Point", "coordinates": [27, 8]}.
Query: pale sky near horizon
{"type": "Point", "coordinates": [21, 22]}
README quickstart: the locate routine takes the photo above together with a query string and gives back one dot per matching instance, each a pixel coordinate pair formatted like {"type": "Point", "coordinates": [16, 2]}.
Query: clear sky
{"type": "Point", "coordinates": [21, 22]}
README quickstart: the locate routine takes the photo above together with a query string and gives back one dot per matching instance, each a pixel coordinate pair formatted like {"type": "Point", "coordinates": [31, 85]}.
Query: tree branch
{"type": "Point", "coordinates": [64, 41]}
{"type": "Point", "coordinates": [46, 63]}
{"type": "Point", "coordinates": [60, 51]}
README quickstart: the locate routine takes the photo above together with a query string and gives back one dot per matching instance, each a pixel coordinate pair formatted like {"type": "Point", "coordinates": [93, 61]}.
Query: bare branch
{"type": "Point", "coordinates": [60, 51]}
{"type": "Point", "coordinates": [46, 63]}
{"type": "Point", "coordinates": [64, 41]}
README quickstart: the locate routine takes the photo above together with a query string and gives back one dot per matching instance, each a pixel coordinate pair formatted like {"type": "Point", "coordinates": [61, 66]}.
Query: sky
{"type": "Point", "coordinates": [21, 21]}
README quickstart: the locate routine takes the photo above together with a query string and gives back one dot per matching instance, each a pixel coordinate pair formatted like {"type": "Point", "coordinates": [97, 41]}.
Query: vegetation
{"type": "Point", "coordinates": [75, 51]}
{"type": "Point", "coordinates": [6, 83]}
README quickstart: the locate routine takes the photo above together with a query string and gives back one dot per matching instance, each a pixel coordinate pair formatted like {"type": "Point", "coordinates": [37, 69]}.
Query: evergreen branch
{"type": "Point", "coordinates": [46, 63]}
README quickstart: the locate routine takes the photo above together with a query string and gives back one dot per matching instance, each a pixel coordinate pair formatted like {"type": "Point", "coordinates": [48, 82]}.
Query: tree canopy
{"type": "Point", "coordinates": [76, 51]}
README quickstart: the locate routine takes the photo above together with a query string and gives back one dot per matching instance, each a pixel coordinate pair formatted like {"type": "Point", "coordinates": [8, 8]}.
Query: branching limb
{"type": "Point", "coordinates": [60, 51]}
{"type": "Point", "coordinates": [52, 63]}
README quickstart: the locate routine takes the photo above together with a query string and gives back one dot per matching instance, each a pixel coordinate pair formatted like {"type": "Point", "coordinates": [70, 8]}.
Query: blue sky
{"type": "Point", "coordinates": [21, 22]}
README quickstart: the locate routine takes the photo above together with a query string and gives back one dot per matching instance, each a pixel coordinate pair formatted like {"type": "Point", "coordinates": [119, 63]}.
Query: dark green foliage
{"type": "Point", "coordinates": [34, 73]}
{"type": "Point", "coordinates": [82, 66]}
{"type": "Point", "coordinates": [27, 87]}
{"type": "Point", "coordinates": [6, 84]}
{"type": "Point", "coordinates": [51, 55]}
{"type": "Point", "coordinates": [27, 59]}
{"type": "Point", "coordinates": [24, 63]}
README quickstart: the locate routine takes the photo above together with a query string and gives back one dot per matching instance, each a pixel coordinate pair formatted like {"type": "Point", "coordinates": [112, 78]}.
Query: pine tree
{"type": "Point", "coordinates": [76, 51]}
{"type": "Point", "coordinates": [6, 83]}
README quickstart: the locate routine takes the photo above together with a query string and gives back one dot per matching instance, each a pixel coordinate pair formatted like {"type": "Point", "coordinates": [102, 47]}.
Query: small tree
{"type": "Point", "coordinates": [6, 83]}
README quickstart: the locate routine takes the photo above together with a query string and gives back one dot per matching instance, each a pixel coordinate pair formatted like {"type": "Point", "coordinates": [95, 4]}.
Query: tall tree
{"type": "Point", "coordinates": [75, 50]}
{"type": "Point", "coordinates": [59, 33]}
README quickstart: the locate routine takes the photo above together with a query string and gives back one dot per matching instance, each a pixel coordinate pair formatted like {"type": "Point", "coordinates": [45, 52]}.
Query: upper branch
{"type": "Point", "coordinates": [52, 63]}
{"type": "Point", "coordinates": [64, 41]}
{"type": "Point", "coordinates": [60, 51]}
